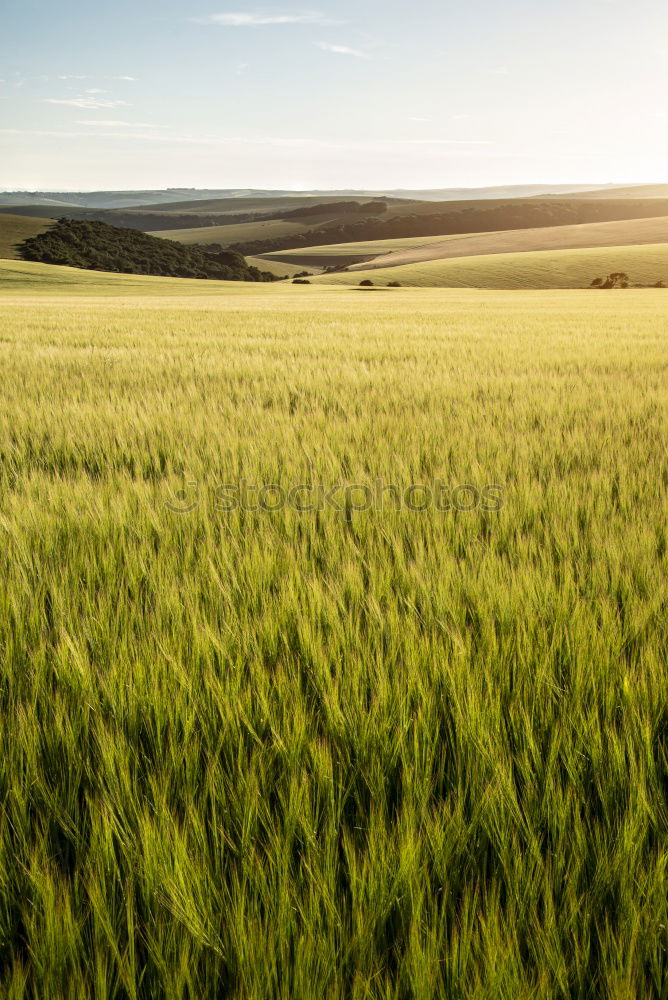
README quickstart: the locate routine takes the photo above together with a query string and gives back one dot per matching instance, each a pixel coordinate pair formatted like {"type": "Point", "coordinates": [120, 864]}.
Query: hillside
{"type": "Point", "coordinates": [187, 196]}
{"type": "Point", "coordinates": [279, 268]}
{"type": "Point", "coordinates": [391, 253]}
{"type": "Point", "coordinates": [287, 223]}
{"type": "Point", "coordinates": [16, 228]}
{"type": "Point", "coordinates": [99, 247]}
{"type": "Point", "coordinates": [602, 234]}
{"type": "Point", "coordinates": [239, 232]}
{"type": "Point", "coordinates": [227, 211]}
{"type": "Point", "coordinates": [629, 191]}
{"type": "Point", "coordinates": [338, 222]}
{"type": "Point", "coordinates": [544, 269]}
{"type": "Point", "coordinates": [465, 218]}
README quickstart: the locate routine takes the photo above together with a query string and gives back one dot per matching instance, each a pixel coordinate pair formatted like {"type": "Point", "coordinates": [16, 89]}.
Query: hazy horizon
{"type": "Point", "coordinates": [224, 95]}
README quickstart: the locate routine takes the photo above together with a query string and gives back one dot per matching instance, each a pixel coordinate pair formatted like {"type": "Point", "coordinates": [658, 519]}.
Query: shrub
{"type": "Point", "coordinates": [97, 246]}
{"type": "Point", "coordinates": [366, 283]}
{"type": "Point", "coordinates": [394, 284]}
{"type": "Point", "coordinates": [618, 279]}
{"type": "Point", "coordinates": [300, 281]}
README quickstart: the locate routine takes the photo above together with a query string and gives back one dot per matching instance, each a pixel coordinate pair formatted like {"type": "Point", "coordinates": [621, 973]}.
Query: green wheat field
{"type": "Point", "coordinates": [381, 754]}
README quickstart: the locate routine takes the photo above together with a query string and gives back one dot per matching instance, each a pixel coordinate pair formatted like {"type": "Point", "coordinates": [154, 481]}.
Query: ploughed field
{"type": "Point", "coordinates": [405, 743]}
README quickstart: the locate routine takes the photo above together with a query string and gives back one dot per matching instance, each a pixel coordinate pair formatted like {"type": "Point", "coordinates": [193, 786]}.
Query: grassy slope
{"type": "Point", "coordinates": [634, 191]}
{"type": "Point", "coordinates": [414, 249]}
{"type": "Point", "coordinates": [546, 269]}
{"type": "Point", "coordinates": [236, 233]}
{"type": "Point", "coordinates": [406, 755]}
{"type": "Point", "coordinates": [260, 206]}
{"type": "Point", "coordinates": [634, 232]}
{"type": "Point", "coordinates": [16, 228]}
{"type": "Point", "coordinates": [17, 277]}
{"type": "Point", "coordinates": [282, 270]}
{"type": "Point", "coordinates": [363, 247]}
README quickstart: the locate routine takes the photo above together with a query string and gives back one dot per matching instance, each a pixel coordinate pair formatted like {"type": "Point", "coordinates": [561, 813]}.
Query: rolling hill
{"type": "Point", "coordinates": [99, 247]}
{"type": "Point", "coordinates": [278, 268]}
{"type": "Point", "coordinates": [460, 218]}
{"type": "Point", "coordinates": [602, 234]}
{"type": "Point", "coordinates": [187, 196]}
{"type": "Point", "coordinates": [343, 222]}
{"type": "Point", "coordinates": [537, 270]}
{"type": "Point", "coordinates": [235, 233]}
{"type": "Point", "coordinates": [391, 253]}
{"type": "Point", "coordinates": [628, 191]}
{"type": "Point", "coordinates": [14, 229]}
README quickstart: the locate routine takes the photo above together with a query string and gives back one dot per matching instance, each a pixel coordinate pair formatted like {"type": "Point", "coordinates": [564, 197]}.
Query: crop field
{"type": "Point", "coordinates": [593, 235]}
{"type": "Point", "coordinates": [228, 235]}
{"type": "Point", "coordinates": [409, 743]}
{"type": "Point", "coordinates": [539, 270]}
{"type": "Point", "coordinates": [16, 228]}
{"type": "Point", "coordinates": [280, 269]}
{"type": "Point", "coordinates": [376, 253]}
{"type": "Point", "coordinates": [362, 250]}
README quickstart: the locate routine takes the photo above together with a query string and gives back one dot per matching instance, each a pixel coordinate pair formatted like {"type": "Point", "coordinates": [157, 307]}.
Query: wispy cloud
{"type": "Point", "coordinates": [270, 142]}
{"type": "Point", "coordinates": [342, 50]}
{"type": "Point", "coordinates": [259, 18]}
{"type": "Point", "coordinates": [76, 76]}
{"type": "Point", "coordinates": [96, 90]}
{"type": "Point", "coordinates": [86, 103]}
{"type": "Point", "coordinates": [101, 123]}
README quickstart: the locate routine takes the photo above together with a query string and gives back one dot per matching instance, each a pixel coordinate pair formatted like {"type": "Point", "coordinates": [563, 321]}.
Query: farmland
{"type": "Point", "coordinates": [227, 235]}
{"type": "Point", "coordinates": [338, 753]}
{"type": "Point", "coordinates": [397, 252]}
{"type": "Point", "coordinates": [539, 270]}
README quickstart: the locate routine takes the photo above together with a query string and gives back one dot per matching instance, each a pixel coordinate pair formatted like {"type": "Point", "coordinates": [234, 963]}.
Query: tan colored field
{"type": "Point", "coordinates": [543, 269]}
{"type": "Point", "coordinates": [281, 270]}
{"type": "Point", "coordinates": [410, 250]}
{"type": "Point", "coordinates": [16, 228]}
{"type": "Point", "coordinates": [633, 232]}
{"type": "Point", "coordinates": [364, 250]}
{"type": "Point", "coordinates": [632, 191]}
{"type": "Point", "coordinates": [242, 232]}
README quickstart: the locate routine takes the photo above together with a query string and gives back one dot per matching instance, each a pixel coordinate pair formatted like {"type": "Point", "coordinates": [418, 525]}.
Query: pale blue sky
{"type": "Point", "coordinates": [375, 94]}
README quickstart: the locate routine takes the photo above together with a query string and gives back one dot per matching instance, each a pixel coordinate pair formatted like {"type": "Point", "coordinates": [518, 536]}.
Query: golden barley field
{"type": "Point", "coordinates": [404, 744]}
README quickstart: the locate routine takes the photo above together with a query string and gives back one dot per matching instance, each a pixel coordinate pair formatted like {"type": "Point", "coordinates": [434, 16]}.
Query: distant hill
{"type": "Point", "coordinates": [450, 218]}
{"type": "Point", "coordinates": [16, 228]}
{"type": "Point", "coordinates": [99, 247]}
{"type": "Point", "coordinates": [504, 191]}
{"type": "Point", "coordinates": [255, 225]}
{"type": "Point", "coordinates": [111, 199]}
{"type": "Point", "coordinates": [211, 212]}
{"type": "Point", "coordinates": [243, 232]}
{"type": "Point", "coordinates": [186, 196]}
{"type": "Point", "coordinates": [633, 232]}
{"type": "Point", "coordinates": [635, 191]}
{"type": "Point", "coordinates": [269, 205]}
{"type": "Point", "coordinates": [286, 223]}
